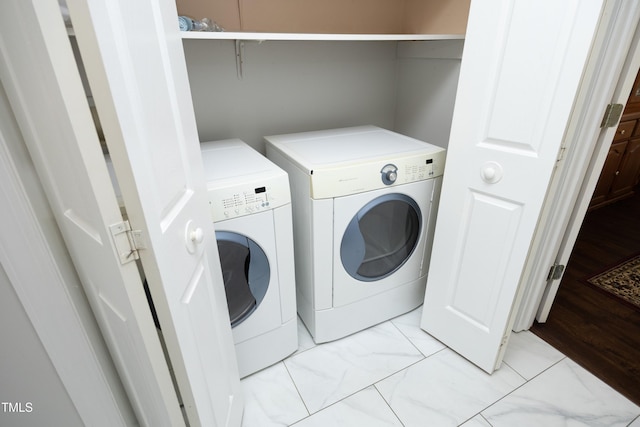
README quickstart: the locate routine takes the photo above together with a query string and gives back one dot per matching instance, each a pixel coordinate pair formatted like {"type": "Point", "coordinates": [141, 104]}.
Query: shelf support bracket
{"type": "Point", "coordinates": [239, 57]}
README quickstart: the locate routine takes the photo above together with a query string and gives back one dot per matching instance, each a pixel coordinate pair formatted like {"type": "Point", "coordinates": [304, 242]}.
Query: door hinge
{"type": "Point", "coordinates": [611, 115]}
{"type": "Point", "coordinates": [555, 272]}
{"type": "Point", "coordinates": [127, 241]}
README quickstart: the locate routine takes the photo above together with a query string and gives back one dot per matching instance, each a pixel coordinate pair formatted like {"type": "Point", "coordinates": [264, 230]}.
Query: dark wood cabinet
{"type": "Point", "coordinates": [621, 171]}
{"type": "Point", "coordinates": [608, 174]}
{"type": "Point", "coordinates": [627, 174]}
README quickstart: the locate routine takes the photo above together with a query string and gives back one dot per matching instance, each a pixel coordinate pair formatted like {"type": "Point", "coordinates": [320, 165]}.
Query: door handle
{"type": "Point", "coordinates": [197, 235]}
{"type": "Point", "coordinates": [193, 236]}
{"type": "Point", "coordinates": [491, 172]}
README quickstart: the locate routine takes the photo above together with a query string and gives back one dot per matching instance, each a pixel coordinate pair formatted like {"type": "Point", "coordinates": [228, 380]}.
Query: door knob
{"type": "Point", "coordinates": [197, 235]}
{"type": "Point", "coordinates": [193, 236]}
{"type": "Point", "coordinates": [491, 172]}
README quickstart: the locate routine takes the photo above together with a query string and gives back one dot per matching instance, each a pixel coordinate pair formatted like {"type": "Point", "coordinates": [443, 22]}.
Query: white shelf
{"type": "Point", "coordinates": [196, 35]}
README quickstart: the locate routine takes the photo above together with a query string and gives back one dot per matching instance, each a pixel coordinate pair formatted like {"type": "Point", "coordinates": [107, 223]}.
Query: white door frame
{"type": "Point", "coordinates": [608, 79]}
{"type": "Point", "coordinates": [591, 178]}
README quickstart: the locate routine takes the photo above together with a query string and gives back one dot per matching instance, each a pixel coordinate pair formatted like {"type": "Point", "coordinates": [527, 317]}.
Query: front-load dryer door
{"type": "Point", "coordinates": [247, 248]}
{"type": "Point", "coordinates": [379, 240]}
{"type": "Point", "coordinates": [381, 237]}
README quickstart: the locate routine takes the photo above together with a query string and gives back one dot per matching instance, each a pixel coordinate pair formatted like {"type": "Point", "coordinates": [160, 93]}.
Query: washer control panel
{"type": "Point", "coordinates": [247, 201]}
{"type": "Point", "coordinates": [250, 198]}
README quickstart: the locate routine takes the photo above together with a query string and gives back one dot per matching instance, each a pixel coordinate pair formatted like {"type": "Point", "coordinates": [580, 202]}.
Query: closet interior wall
{"type": "Point", "coordinates": [285, 86]}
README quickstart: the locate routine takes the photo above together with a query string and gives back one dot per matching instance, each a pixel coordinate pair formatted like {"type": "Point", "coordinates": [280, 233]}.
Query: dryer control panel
{"type": "Point", "coordinates": [356, 178]}
{"type": "Point", "coordinates": [234, 201]}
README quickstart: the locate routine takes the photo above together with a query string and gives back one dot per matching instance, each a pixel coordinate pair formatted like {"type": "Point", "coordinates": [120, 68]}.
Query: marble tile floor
{"type": "Point", "coordinates": [395, 374]}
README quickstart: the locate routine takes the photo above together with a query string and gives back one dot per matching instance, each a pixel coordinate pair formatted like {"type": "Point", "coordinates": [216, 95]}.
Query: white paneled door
{"type": "Point", "coordinates": [133, 55]}
{"type": "Point", "coordinates": [521, 69]}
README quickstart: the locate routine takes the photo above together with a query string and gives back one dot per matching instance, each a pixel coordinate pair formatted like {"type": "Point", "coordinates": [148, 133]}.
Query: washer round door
{"type": "Point", "coordinates": [381, 237]}
{"type": "Point", "coordinates": [245, 271]}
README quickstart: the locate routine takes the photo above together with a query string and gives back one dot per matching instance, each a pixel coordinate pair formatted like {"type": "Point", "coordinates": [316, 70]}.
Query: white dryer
{"type": "Point", "coordinates": [250, 204]}
{"type": "Point", "coordinates": [364, 201]}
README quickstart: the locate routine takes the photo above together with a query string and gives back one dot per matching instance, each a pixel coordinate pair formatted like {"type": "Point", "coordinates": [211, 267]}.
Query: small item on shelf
{"type": "Point", "coordinates": [205, 24]}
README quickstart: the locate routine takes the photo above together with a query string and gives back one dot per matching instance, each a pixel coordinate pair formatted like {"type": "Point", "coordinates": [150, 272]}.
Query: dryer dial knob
{"type": "Point", "coordinates": [389, 174]}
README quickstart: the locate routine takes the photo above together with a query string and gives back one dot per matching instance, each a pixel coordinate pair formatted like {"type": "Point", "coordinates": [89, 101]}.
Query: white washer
{"type": "Point", "coordinates": [364, 201]}
{"type": "Point", "coordinates": [251, 209]}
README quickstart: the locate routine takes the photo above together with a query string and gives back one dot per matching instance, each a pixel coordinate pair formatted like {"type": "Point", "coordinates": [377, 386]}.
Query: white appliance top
{"type": "Point", "coordinates": [241, 181]}
{"type": "Point", "coordinates": [228, 159]}
{"type": "Point", "coordinates": [341, 147]}
{"type": "Point", "coordinates": [351, 160]}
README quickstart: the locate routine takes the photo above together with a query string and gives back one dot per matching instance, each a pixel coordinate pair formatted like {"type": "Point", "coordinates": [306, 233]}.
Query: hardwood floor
{"type": "Point", "coordinates": [592, 328]}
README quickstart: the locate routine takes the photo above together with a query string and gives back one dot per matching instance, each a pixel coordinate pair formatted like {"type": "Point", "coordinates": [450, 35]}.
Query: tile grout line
{"type": "Point", "coordinates": [362, 389]}
{"type": "Point", "coordinates": [388, 403]}
{"type": "Point", "coordinates": [297, 391]}
{"type": "Point", "coordinates": [526, 381]}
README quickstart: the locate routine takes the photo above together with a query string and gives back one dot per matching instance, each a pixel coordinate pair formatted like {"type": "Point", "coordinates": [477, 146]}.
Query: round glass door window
{"type": "Point", "coordinates": [381, 237]}
{"type": "Point", "coordinates": [245, 271]}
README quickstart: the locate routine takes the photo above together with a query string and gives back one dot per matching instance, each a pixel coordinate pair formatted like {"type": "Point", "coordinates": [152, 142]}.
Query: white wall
{"type": "Point", "coordinates": [27, 375]}
{"type": "Point", "coordinates": [26, 371]}
{"type": "Point", "coordinates": [290, 86]}
{"type": "Point", "coordinates": [296, 86]}
{"type": "Point", "coordinates": [427, 83]}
